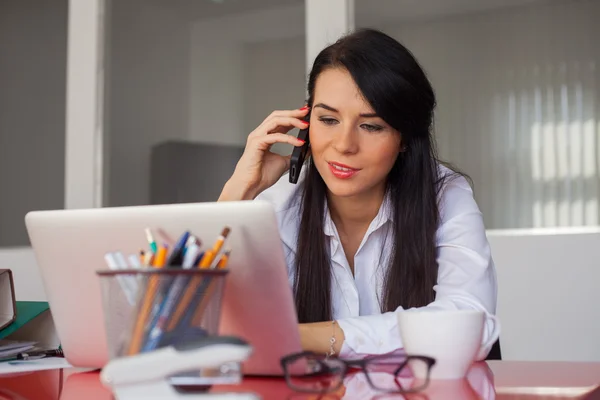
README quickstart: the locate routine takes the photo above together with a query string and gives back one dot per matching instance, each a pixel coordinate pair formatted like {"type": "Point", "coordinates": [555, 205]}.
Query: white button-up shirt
{"type": "Point", "coordinates": [466, 273]}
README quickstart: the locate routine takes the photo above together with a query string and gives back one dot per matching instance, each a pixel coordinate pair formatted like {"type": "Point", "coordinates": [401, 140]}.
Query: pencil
{"type": "Point", "coordinates": [208, 258]}
{"type": "Point", "coordinates": [224, 259]}
{"type": "Point", "coordinates": [148, 259]}
{"type": "Point", "coordinates": [158, 326]}
{"type": "Point", "coordinates": [146, 307]}
{"type": "Point", "coordinates": [190, 291]}
{"type": "Point", "coordinates": [199, 314]}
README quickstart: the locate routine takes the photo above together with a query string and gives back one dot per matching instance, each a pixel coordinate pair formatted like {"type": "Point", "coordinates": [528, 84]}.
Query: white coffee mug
{"type": "Point", "coordinates": [452, 337]}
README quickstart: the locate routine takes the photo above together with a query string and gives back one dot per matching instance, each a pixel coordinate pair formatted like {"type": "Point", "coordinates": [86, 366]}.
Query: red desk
{"type": "Point", "coordinates": [492, 380]}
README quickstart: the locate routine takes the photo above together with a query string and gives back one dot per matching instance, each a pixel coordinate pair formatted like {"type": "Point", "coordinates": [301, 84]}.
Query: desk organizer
{"type": "Point", "coordinates": [151, 314]}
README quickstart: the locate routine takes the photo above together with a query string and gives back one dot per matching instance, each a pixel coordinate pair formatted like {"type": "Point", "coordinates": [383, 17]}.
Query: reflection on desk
{"type": "Point", "coordinates": [500, 380]}
{"type": "Point", "coordinates": [41, 385]}
{"type": "Point", "coordinates": [479, 384]}
{"type": "Point", "coordinates": [84, 385]}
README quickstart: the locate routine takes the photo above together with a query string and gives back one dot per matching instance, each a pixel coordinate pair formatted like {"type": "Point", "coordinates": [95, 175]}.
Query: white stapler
{"type": "Point", "coordinates": [149, 375]}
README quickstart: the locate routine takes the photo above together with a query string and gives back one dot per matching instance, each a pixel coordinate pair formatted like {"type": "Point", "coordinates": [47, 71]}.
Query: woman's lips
{"type": "Point", "coordinates": [342, 171]}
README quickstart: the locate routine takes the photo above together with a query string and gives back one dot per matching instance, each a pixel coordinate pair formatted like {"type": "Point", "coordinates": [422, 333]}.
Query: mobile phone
{"type": "Point", "coordinates": [299, 153]}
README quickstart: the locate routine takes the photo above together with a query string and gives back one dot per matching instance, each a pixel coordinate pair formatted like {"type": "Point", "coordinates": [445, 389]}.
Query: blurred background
{"type": "Point", "coordinates": [150, 101]}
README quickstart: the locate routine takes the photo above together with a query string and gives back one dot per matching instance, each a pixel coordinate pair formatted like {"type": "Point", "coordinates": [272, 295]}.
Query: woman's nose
{"type": "Point", "coordinates": [345, 140]}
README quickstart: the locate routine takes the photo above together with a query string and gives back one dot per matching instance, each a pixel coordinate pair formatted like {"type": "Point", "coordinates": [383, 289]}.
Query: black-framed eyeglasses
{"type": "Point", "coordinates": [315, 373]}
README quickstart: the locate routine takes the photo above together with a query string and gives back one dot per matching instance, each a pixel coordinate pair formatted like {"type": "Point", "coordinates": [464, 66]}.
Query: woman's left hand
{"type": "Point", "coordinates": [316, 337]}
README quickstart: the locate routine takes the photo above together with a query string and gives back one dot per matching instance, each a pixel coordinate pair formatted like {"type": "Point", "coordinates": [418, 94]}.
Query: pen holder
{"type": "Point", "coordinates": [146, 309]}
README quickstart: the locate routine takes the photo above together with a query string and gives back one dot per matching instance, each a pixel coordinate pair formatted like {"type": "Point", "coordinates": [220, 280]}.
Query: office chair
{"type": "Point", "coordinates": [495, 353]}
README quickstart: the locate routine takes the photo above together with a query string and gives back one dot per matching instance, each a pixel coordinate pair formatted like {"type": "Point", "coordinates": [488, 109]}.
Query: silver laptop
{"type": "Point", "coordinates": [258, 305]}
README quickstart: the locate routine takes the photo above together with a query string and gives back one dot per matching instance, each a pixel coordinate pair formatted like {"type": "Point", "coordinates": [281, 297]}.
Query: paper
{"type": "Point", "coordinates": [12, 367]}
{"type": "Point", "coordinates": [13, 347]}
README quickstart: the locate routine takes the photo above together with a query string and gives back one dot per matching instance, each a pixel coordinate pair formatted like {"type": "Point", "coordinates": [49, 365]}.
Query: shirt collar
{"type": "Point", "coordinates": [291, 215]}
{"type": "Point", "coordinates": [383, 215]}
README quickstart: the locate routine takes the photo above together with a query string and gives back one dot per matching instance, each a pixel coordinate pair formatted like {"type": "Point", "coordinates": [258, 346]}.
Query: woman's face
{"type": "Point", "coordinates": [352, 148]}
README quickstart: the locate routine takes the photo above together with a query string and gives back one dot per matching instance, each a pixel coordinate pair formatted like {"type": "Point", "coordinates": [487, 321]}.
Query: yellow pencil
{"type": "Point", "coordinates": [140, 323]}
{"type": "Point", "coordinates": [221, 264]}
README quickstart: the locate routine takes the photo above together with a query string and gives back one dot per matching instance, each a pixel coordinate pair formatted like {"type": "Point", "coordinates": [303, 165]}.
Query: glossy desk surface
{"type": "Point", "coordinates": [491, 380]}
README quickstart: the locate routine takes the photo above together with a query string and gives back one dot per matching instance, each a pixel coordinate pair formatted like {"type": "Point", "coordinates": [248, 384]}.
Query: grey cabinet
{"type": "Point", "coordinates": [187, 172]}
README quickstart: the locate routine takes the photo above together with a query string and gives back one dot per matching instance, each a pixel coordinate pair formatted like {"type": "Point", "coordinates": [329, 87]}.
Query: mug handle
{"type": "Point", "coordinates": [495, 335]}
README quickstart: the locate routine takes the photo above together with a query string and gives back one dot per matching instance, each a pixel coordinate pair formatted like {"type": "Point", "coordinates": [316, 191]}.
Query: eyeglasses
{"type": "Point", "coordinates": [315, 373]}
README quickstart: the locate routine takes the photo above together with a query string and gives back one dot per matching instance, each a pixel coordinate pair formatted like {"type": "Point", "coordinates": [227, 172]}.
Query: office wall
{"type": "Point", "coordinates": [147, 93]}
{"type": "Point", "coordinates": [33, 40]}
{"type": "Point", "coordinates": [225, 99]}
{"type": "Point", "coordinates": [281, 84]}
{"type": "Point", "coordinates": [33, 51]}
{"type": "Point", "coordinates": [519, 108]}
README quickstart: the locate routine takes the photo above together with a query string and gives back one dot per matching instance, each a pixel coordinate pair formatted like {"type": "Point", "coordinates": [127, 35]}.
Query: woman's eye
{"type": "Point", "coordinates": [328, 121]}
{"type": "Point", "coordinates": [371, 128]}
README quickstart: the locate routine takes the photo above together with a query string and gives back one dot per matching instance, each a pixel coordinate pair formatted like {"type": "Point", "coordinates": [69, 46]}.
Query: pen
{"type": "Point", "coordinates": [190, 291]}
{"type": "Point", "coordinates": [176, 257]}
{"type": "Point", "coordinates": [169, 291]}
{"type": "Point", "coordinates": [40, 354]}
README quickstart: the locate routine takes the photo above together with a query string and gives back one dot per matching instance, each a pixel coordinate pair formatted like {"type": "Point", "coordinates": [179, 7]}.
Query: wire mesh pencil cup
{"type": "Point", "coordinates": [148, 308]}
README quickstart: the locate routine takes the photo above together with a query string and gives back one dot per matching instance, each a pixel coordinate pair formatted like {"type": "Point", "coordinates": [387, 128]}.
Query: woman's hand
{"type": "Point", "coordinates": [259, 168]}
{"type": "Point", "coordinates": [316, 337]}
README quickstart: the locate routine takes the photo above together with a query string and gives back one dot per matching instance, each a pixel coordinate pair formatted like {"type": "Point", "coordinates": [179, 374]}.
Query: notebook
{"type": "Point", "coordinates": [8, 305]}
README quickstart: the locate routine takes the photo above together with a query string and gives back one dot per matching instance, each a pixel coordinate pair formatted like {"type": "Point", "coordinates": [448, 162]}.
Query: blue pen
{"type": "Point", "coordinates": [176, 257]}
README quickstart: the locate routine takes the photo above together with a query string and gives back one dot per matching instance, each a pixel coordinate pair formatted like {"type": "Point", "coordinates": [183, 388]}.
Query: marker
{"type": "Point", "coordinates": [121, 260]}
{"type": "Point", "coordinates": [151, 241]}
{"type": "Point", "coordinates": [134, 261]}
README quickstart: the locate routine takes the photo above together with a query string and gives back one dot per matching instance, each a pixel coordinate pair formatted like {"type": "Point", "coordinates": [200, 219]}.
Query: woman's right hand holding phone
{"type": "Point", "coordinates": [259, 168]}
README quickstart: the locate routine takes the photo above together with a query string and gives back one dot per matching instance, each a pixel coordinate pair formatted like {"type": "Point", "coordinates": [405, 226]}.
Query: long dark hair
{"type": "Point", "coordinates": [395, 85]}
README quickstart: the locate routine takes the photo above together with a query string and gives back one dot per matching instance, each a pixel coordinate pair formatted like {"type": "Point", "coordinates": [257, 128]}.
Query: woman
{"type": "Point", "coordinates": [375, 224]}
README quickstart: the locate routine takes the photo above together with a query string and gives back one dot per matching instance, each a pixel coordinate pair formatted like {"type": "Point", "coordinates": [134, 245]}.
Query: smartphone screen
{"type": "Point", "coordinates": [299, 153]}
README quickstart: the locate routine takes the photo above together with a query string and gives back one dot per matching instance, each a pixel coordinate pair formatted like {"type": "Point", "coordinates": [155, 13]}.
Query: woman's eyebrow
{"type": "Point", "coordinates": [332, 109]}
